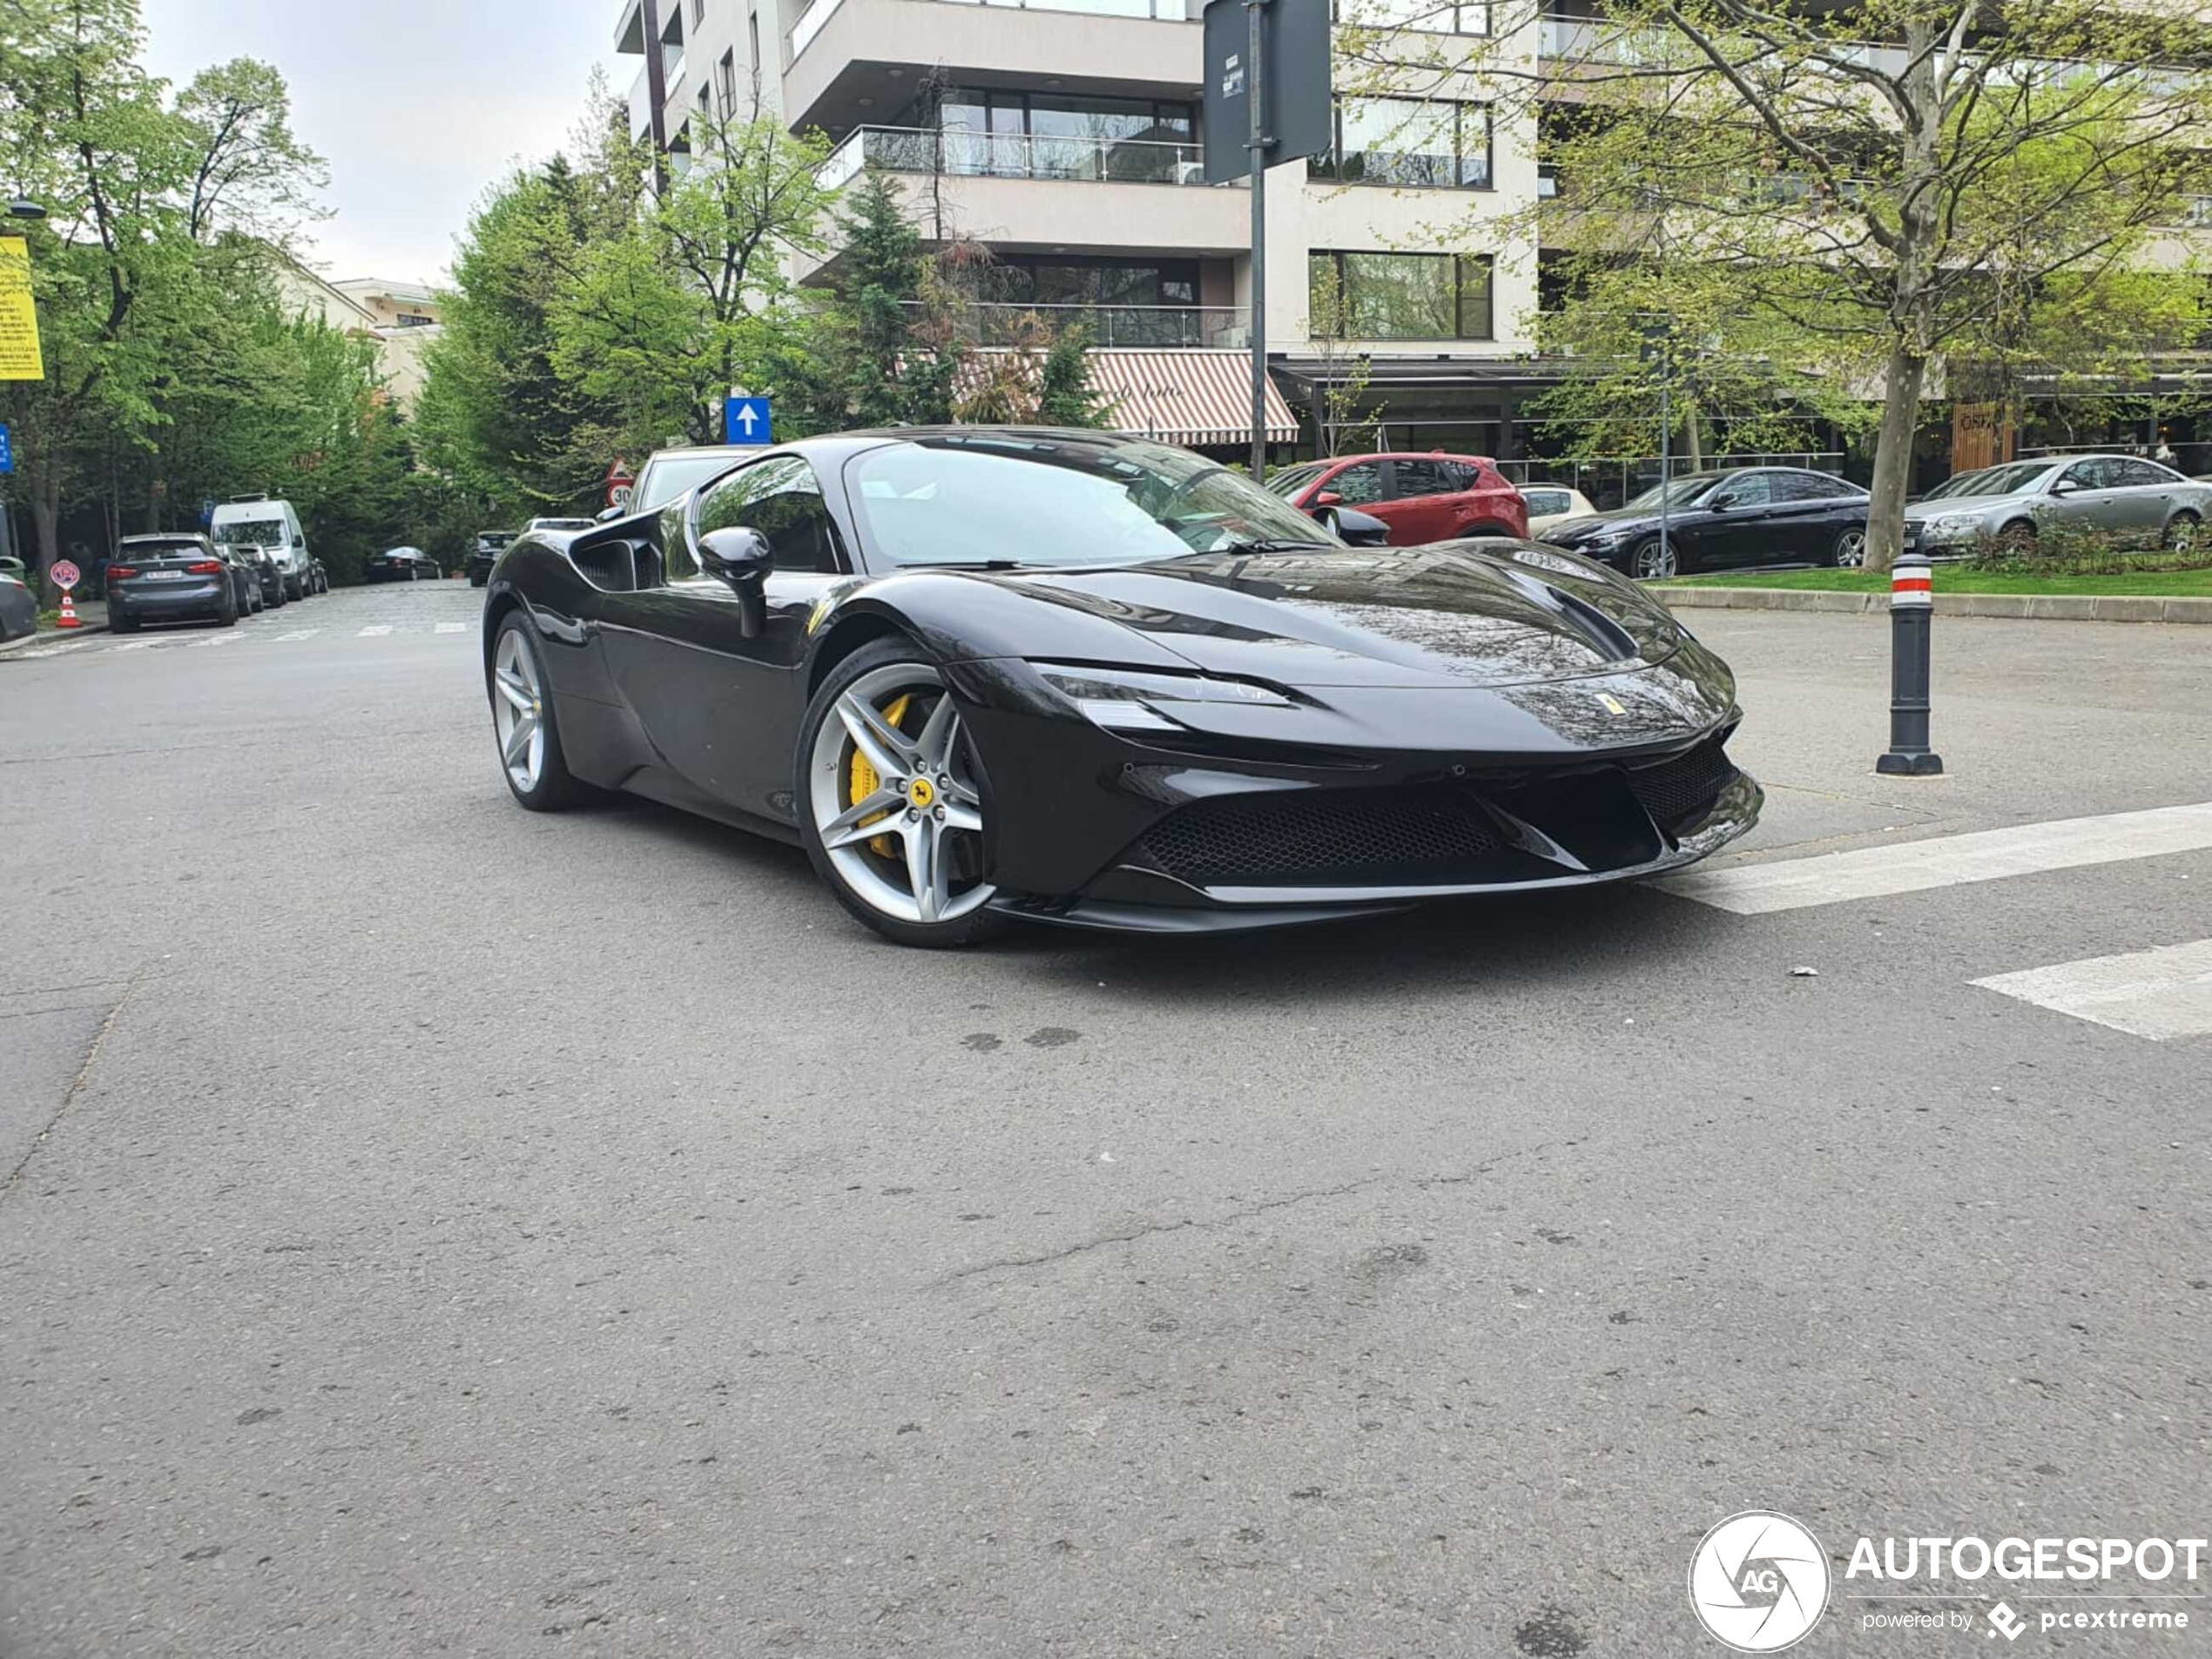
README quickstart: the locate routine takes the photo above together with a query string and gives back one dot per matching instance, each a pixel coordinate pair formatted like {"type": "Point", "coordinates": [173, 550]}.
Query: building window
{"type": "Point", "coordinates": [416, 319]}
{"type": "Point", "coordinates": [1426, 17]}
{"type": "Point", "coordinates": [1048, 135]}
{"type": "Point", "coordinates": [1438, 142]}
{"type": "Point", "coordinates": [699, 14]}
{"type": "Point", "coordinates": [725, 75]}
{"type": "Point", "coordinates": [1401, 296]}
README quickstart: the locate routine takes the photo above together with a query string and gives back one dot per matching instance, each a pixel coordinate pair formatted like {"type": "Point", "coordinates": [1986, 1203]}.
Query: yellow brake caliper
{"type": "Point", "coordinates": [863, 780]}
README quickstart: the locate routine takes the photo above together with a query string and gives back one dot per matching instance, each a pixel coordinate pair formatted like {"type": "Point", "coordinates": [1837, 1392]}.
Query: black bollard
{"type": "Point", "coordinates": [1911, 608]}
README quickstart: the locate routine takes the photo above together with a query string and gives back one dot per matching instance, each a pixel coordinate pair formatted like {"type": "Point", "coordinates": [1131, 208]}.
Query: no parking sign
{"type": "Point", "coordinates": [65, 574]}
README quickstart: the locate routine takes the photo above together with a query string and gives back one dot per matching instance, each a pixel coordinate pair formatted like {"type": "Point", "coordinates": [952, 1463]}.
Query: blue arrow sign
{"type": "Point", "coordinates": [7, 450]}
{"type": "Point", "coordinates": [747, 420]}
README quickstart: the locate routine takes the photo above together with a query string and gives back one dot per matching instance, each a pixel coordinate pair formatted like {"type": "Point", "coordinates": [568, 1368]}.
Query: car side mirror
{"type": "Point", "coordinates": [608, 515]}
{"type": "Point", "coordinates": [741, 556]}
{"type": "Point", "coordinates": [2064, 486]}
{"type": "Point", "coordinates": [1720, 503]}
{"type": "Point", "coordinates": [1328, 498]}
{"type": "Point", "coordinates": [1352, 528]}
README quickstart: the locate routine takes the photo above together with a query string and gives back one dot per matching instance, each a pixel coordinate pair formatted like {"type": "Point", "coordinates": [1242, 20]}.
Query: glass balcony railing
{"type": "Point", "coordinates": [1011, 323]}
{"type": "Point", "coordinates": [957, 153]}
{"type": "Point", "coordinates": [810, 23]}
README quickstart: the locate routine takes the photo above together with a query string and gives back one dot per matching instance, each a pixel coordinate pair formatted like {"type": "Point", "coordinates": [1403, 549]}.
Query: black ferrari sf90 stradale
{"type": "Point", "coordinates": [986, 672]}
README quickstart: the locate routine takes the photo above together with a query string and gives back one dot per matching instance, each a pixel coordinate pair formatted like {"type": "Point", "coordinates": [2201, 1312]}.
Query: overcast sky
{"type": "Point", "coordinates": [416, 105]}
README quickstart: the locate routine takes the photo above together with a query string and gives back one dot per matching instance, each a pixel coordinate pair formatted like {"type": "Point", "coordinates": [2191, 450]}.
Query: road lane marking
{"type": "Point", "coordinates": [375, 630]}
{"type": "Point", "coordinates": [1915, 866]}
{"type": "Point", "coordinates": [2155, 994]}
{"type": "Point", "coordinates": [297, 633]}
{"type": "Point", "coordinates": [219, 639]}
{"type": "Point", "coordinates": [453, 627]}
{"type": "Point", "coordinates": [140, 644]}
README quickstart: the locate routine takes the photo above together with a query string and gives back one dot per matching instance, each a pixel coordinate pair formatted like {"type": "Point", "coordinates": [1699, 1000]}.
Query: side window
{"type": "Point", "coordinates": [1357, 486]}
{"type": "Point", "coordinates": [1748, 489]}
{"type": "Point", "coordinates": [2090, 475]}
{"type": "Point", "coordinates": [1541, 501]}
{"type": "Point", "coordinates": [1427, 478]}
{"type": "Point", "coordinates": [2140, 474]}
{"type": "Point", "coordinates": [1807, 486]}
{"type": "Point", "coordinates": [782, 499]}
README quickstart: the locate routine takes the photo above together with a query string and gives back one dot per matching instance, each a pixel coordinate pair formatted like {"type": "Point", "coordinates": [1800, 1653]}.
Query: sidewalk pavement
{"type": "Point", "coordinates": [2037, 607]}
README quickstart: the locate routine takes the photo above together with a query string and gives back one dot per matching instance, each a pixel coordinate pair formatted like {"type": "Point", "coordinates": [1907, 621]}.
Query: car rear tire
{"type": "Point", "coordinates": [1651, 560]}
{"type": "Point", "coordinates": [2182, 531]}
{"type": "Point", "coordinates": [891, 799]}
{"type": "Point", "coordinates": [276, 595]}
{"type": "Point", "coordinates": [294, 588]}
{"type": "Point", "coordinates": [2018, 537]}
{"type": "Point", "coordinates": [1850, 551]}
{"type": "Point", "coordinates": [476, 581]}
{"type": "Point", "coordinates": [523, 727]}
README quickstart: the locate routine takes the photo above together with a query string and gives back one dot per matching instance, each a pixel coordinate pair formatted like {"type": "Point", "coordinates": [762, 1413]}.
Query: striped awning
{"type": "Point", "coordinates": [1187, 396]}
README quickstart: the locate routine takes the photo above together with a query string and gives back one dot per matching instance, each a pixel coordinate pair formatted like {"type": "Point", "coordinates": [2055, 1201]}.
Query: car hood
{"type": "Point", "coordinates": [1487, 612]}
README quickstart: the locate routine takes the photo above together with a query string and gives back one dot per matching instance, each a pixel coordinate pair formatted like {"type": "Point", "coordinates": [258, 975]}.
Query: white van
{"type": "Point", "coordinates": [256, 521]}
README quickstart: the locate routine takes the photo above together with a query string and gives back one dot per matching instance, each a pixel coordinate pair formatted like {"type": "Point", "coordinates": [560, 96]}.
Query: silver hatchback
{"type": "Point", "coordinates": [2131, 500]}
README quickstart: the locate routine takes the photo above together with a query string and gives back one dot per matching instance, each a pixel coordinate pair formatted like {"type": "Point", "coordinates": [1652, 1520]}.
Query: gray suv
{"type": "Point", "coordinates": [2133, 500]}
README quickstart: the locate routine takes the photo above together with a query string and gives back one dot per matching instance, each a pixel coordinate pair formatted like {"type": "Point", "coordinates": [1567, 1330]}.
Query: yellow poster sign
{"type": "Point", "coordinates": [20, 358]}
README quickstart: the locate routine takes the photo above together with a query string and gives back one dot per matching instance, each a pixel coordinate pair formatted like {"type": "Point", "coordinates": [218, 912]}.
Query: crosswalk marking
{"type": "Point", "coordinates": [2155, 994]}
{"type": "Point", "coordinates": [374, 631]}
{"type": "Point", "coordinates": [1914, 867]}
{"type": "Point", "coordinates": [453, 627]}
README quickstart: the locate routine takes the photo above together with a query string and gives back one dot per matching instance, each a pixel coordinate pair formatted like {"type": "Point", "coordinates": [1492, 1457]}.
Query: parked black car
{"type": "Point", "coordinates": [174, 579]}
{"type": "Point", "coordinates": [490, 545]}
{"type": "Point", "coordinates": [1747, 515]}
{"type": "Point", "coordinates": [982, 672]}
{"type": "Point", "coordinates": [265, 580]}
{"type": "Point", "coordinates": [401, 564]}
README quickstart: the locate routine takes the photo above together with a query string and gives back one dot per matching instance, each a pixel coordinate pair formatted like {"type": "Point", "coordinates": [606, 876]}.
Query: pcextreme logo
{"type": "Point", "coordinates": [1758, 1582]}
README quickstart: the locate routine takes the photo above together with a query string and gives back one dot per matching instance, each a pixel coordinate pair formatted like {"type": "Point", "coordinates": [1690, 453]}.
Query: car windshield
{"type": "Point", "coordinates": [1952, 486]}
{"type": "Point", "coordinates": [144, 551]}
{"type": "Point", "coordinates": [1048, 501]}
{"type": "Point", "coordinates": [2002, 480]}
{"type": "Point", "coordinates": [251, 532]}
{"type": "Point", "coordinates": [1680, 493]}
{"type": "Point", "coordinates": [1290, 480]}
{"type": "Point", "coordinates": [670, 476]}
{"type": "Point", "coordinates": [560, 524]}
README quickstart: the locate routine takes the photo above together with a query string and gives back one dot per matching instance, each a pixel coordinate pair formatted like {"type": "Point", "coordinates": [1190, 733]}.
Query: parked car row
{"type": "Point", "coordinates": [184, 577]}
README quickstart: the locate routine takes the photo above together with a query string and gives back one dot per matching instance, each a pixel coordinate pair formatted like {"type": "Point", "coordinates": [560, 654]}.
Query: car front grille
{"type": "Point", "coordinates": [1437, 834]}
{"type": "Point", "coordinates": [1683, 790]}
{"type": "Point", "coordinates": [1320, 836]}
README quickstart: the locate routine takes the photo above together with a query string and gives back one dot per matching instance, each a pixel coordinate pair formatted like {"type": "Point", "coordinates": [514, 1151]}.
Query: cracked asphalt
{"type": "Point", "coordinates": [429, 1228]}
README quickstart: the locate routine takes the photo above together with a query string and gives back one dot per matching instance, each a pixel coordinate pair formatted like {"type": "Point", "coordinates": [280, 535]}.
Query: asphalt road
{"type": "Point", "coordinates": [429, 1228]}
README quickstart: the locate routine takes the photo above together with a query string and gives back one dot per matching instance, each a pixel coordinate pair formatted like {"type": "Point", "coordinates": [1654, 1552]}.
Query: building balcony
{"type": "Point", "coordinates": [957, 153]}
{"type": "Point", "coordinates": [1110, 326]}
{"type": "Point", "coordinates": [843, 58]}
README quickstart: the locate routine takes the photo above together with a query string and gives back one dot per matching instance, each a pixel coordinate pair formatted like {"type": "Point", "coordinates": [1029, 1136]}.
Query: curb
{"type": "Point", "coordinates": [52, 636]}
{"type": "Point", "coordinates": [2034, 607]}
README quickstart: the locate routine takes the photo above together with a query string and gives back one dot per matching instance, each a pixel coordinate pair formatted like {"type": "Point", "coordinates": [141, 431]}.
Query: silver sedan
{"type": "Point", "coordinates": [2130, 499]}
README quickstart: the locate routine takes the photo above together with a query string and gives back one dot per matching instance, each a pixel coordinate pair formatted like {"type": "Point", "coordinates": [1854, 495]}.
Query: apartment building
{"type": "Point", "coordinates": [1066, 135]}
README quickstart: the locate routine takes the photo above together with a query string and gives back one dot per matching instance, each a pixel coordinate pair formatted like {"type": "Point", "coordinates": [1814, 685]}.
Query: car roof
{"type": "Point", "coordinates": [161, 536]}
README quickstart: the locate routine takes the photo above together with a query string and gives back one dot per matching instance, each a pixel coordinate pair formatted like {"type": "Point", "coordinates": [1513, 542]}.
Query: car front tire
{"type": "Point", "coordinates": [1652, 560]}
{"type": "Point", "coordinates": [1850, 550]}
{"type": "Point", "coordinates": [891, 800]}
{"type": "Point", "coordinates": [2182, 532]}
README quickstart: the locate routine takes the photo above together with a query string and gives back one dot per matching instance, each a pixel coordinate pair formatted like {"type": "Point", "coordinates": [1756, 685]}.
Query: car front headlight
{"type": "Point", "coordinates": [1951, 523]}
{"type": "Point", "coordinates": [1128, 699]}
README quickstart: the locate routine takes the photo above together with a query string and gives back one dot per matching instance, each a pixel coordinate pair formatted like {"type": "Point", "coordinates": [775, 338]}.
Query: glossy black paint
{"type": "Point", "coordinates": [1492, 669]}
{"type": "Point", "coordinates": [1712, 530]}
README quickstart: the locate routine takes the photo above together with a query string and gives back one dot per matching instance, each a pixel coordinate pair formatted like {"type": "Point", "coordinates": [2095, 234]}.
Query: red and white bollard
{"type": "Point", "coordinates": [1911, 608]}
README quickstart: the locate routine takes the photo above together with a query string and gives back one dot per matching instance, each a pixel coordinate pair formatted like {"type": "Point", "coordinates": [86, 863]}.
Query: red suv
{"type": "Point", "coordinates": [1422, 498]}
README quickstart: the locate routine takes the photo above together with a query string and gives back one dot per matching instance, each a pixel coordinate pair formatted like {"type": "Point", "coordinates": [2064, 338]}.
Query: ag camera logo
{"type": "Point", "coordinates": [1758, 1582]}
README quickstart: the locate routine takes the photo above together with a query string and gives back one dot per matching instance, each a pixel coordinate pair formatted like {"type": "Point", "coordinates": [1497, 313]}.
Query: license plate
{"type": "Point", "coordinates": [164, 575]}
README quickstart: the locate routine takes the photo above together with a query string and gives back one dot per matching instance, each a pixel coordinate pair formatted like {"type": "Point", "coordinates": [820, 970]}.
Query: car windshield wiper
{"type": "Point", "coordinates": [1277, 544]}
{"type": "Point", "coordinates": [965, 564]}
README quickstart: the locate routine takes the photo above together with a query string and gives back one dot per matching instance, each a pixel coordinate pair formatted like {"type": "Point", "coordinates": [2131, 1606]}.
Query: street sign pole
{"type": "Point", "coordinates": [1256, 19]}
{"type": "Point", "coordinates": [1666, 450]}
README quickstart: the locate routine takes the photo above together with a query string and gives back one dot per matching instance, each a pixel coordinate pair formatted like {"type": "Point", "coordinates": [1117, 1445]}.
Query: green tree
{"type": "Point", "coordinates": [1887, 179]}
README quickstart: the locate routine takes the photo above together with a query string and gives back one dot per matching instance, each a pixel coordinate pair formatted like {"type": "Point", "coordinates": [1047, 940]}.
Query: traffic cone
{"type": "Point", "coordinates": [68, 619]}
